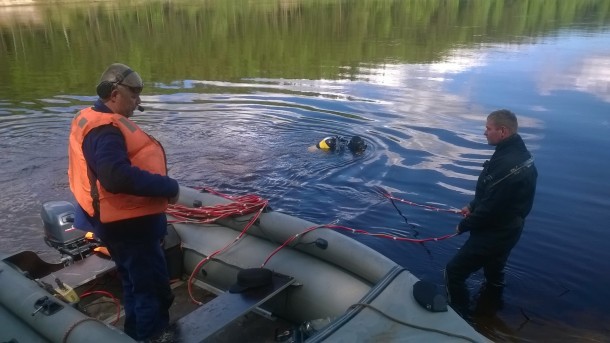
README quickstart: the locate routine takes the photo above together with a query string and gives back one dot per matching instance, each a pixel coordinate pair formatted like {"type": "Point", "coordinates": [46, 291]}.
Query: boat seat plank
{"type": "Point", "coordinates": [210, 318]}
{"type": "Point", "coordinates": [82, 271]}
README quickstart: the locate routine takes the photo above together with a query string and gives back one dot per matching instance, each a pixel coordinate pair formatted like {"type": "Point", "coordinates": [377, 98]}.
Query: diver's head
{"type": "Point", "coordinates": [356, 145]}
{"type": "Point", "coordinates": [328, 144]}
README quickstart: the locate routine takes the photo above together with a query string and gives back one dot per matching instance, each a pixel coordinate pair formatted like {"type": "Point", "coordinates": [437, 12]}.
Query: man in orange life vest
{"type": "Point", "coordinates": [118, 175]}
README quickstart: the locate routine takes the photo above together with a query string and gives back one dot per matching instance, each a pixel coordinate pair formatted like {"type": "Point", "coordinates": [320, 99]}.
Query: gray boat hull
{"type": "Point", "coordinates": [361, 295]}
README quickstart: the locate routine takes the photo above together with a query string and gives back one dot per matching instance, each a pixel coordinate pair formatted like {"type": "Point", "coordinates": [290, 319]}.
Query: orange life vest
{"type": "Point", "coordinates": [143, 151]}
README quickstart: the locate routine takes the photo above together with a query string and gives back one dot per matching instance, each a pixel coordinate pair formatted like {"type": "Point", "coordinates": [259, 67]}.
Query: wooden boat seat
{"type": "Point", "coordinates": [201, 324]}
{"type": "Point", "coordinates": [82, 271]}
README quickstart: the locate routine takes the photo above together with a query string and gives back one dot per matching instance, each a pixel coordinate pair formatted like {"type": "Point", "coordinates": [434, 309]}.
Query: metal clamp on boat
{"type": "Point", "coordinates": [46, 306]}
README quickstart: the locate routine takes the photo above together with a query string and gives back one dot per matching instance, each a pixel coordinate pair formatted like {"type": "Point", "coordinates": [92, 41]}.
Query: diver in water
{"type": "Point", "coordinates": [356, 145]}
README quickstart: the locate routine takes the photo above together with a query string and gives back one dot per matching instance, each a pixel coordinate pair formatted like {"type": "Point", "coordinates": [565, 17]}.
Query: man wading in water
{"type": "Point", "coordinates": [495, 217]}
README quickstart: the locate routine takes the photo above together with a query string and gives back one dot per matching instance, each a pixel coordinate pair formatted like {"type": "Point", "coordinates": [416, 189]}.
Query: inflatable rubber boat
{"type": "Point", "coordinates": [319, 285]}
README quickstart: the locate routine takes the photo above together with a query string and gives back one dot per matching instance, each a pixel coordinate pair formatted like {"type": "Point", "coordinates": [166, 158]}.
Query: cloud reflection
{"type": "Point", "coordinates": [425, 118]}
{"type": "Point", "coordinates": [589, 75]}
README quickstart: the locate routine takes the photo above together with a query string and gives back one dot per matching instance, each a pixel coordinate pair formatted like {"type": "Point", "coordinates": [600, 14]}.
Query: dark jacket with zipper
{"type": "Point", "coordinates": [503, 198]}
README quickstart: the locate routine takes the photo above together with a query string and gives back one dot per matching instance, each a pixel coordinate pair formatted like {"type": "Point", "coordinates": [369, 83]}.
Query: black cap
{"type": "Point", "coordinates": [251, 278]}
{"type": "Point", "coordinates": [120, 73]}
{"type": "Point", "coordinates": [429, 297]}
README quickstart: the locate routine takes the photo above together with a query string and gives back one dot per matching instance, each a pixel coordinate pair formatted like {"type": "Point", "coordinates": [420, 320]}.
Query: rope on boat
{"type": "Point", "coordinates": [248, 204]}
{"type": "Point", "coordinates": [240, 205]}
{"type": "Point", "coordinates": [74, 325]}
{"type": "Point", "coordinates": [408, 202]}
{"type": "Point", "coordinates": [405, 323]}
{"type": "Point", "coordinates": [355, 231]}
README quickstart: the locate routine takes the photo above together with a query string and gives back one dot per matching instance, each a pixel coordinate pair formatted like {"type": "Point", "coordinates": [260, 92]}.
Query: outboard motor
{"type": "Point", "coordinates": [59, 233]}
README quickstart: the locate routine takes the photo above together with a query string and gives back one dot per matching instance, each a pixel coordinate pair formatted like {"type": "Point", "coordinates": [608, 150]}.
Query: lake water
{"type": "Point", "coordinates": [237, 90]}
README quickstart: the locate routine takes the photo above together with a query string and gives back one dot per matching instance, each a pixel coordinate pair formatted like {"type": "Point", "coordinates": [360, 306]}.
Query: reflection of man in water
{"type": "Point", "coordinates": [356, 145]}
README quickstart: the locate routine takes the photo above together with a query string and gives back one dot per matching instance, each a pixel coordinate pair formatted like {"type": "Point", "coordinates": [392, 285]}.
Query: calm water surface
{"type": "Point", "coordinates": [236, 91]}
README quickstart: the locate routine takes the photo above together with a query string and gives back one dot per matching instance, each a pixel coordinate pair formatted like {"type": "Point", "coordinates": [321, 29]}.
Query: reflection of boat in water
{"type": "Point", "coordinates": [325, 286]}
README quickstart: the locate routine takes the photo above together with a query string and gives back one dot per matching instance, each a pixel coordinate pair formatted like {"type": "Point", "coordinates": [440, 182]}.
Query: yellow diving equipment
{"type": "Point", "coordinates": [328, 143]}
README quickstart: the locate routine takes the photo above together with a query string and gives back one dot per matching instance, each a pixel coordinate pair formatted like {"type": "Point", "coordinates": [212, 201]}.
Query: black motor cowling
{"type": "Point", "coordinates": [60, 233]}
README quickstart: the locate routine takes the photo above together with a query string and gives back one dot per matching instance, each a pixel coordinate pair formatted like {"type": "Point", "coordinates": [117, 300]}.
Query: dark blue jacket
{"type": "Point", "coordinates": [502, 202]}
{"type": "Point", "coordinates": [106, 155]}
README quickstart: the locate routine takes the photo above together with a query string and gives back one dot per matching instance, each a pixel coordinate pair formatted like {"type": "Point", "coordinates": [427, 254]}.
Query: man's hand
{"type": "Point", "coordinates": [465, 211]}
{"type": "Point", "coordinates": [457, 229]}
{"type": "Point", "coordinates": [174, 199]}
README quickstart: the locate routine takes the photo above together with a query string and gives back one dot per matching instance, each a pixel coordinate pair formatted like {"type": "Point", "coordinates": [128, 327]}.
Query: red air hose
{"type": "Point", "coordinates": [248, 204]}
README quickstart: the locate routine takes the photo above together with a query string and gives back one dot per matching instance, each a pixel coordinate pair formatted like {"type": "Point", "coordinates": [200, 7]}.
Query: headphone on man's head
{"type": "Point", "coordinates": [104, 88]}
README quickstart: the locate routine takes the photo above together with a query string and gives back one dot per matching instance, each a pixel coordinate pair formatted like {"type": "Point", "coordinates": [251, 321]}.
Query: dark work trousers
{"type": "Point", "coordinates": [467, 261]}
{"type": "Point", "coordinates": [147, 295]}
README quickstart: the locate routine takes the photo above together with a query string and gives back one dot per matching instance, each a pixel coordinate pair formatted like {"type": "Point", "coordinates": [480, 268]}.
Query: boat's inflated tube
{"type": "Point", "coordinates": [55, 321]}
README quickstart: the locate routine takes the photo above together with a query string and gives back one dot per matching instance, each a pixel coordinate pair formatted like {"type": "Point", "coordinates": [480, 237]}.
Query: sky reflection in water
{"type": "Point", "coordinates": [424, 121]}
